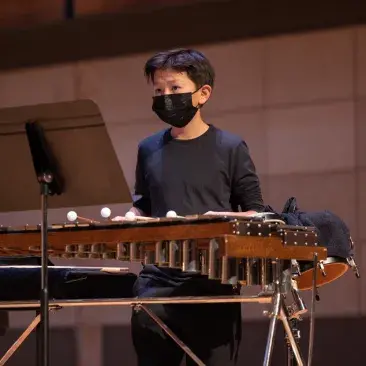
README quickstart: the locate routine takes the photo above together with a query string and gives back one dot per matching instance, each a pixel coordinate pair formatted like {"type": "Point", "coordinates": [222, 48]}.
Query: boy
{"type": "Point", "coordinates": [190, 168]}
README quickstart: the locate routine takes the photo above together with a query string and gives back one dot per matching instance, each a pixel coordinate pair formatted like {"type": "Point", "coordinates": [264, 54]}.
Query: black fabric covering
{"type": "Point", "coordinates": [22, 284]}
{"type": "Point", "coordinates": [333, 232]}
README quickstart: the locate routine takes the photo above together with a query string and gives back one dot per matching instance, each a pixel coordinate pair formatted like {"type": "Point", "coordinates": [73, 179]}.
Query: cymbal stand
{"type": "Point", "coordinates": [290, 357]}
{"type": "Point", "coordinates": [294, 312]}
{"type": "Point", "coordinates": [280, 311]}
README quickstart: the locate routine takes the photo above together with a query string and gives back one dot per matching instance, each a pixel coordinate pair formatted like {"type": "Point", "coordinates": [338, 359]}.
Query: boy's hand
{"type": "Point", "coordinates": [119, 218]}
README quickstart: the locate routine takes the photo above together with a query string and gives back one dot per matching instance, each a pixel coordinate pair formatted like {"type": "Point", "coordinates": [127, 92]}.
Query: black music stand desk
{"type": "Point", "coordinates": [79, 140]}
{"type": "Point", "coordinates": [61, 150]}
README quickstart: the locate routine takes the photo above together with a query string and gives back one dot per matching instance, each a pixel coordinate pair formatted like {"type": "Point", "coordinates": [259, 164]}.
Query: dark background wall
{"type": "Point", "coordinates": [291, 77]}
{"type": "Point", "coordinates": [36, 33]}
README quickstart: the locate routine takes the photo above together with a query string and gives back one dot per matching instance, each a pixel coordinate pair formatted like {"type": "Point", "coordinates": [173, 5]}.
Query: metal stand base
{"type": "Point", "coordinates": [279, 312]}
{"type": "Point", "coordinates": [290, 357]}
{"type": "Point", "coordinates": [139, 303]}
{"type": "Point", "coordinates": [278, 306]}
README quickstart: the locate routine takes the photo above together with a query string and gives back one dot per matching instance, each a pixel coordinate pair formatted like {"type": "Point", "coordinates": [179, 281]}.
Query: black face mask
{"type": "Point", "coordinates": [175, 109]}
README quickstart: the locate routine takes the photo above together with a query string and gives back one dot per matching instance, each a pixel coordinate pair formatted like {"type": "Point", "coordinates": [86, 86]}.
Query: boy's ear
{"type": "Point", "coordinates": [206, 91]}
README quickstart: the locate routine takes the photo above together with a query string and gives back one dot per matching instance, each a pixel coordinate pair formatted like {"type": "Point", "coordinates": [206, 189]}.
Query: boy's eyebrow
{"type": "Point", "coordinates": [171, 81]}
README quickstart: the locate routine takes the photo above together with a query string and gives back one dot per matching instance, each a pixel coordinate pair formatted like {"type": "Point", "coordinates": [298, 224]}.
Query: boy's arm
{"type": "Point", "coordinates": [245, 187]}
{"type": "Point", "coordinates": [142, 205]}
{"type": "Point", "coordinates": [246, 191]}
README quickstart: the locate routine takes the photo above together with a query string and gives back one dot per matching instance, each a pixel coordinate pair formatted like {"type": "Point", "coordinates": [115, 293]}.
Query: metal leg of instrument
{"type": "Point", "coordinates": [312, 311]}
{"type": "Point", "coordinates": [166, 329]}
{"type": "Point", "coordinates": [293, 314]}
{"type": "Point", "coordinates": [279, 311]}
{"type": "Point", "coordinates": [275, 312]}
{"type": "Point", "coordinates": [38, 339]}
{"type": "Point", "coordinates": [20, 340]}
{"type": "Point", "coordinates": [290, 357]}
{"type": "Point", "coordinates": [294, 357]}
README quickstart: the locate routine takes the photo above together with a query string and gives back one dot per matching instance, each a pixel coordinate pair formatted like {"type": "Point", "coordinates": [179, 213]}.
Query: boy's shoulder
{"type": "Point", "coordinates": [228, 139]}
{"type": "Point", "coordinates": [154, 141]}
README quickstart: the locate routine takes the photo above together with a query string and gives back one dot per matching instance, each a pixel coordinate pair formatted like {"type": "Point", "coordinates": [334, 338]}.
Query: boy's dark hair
{"type": "Point", "coordinates": [194, 63]}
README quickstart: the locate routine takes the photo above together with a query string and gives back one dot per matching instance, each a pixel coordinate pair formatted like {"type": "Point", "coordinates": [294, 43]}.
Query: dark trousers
{"type": "Point", "coordinates": [207, 329]}
{"type": "Point", "coordinates": [156, 348]}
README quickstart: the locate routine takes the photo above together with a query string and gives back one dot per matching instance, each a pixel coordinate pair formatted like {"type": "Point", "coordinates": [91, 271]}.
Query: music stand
{"type": "Point", "coordinates": [61, 150]}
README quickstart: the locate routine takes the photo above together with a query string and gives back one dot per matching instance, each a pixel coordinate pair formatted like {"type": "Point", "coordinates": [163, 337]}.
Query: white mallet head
{"type": "Point", "coordinates": [105, 212]}
{"type": "Point", "coordinates": [171, 214]}
{"type": "Point", "coordinates": [72, 216]}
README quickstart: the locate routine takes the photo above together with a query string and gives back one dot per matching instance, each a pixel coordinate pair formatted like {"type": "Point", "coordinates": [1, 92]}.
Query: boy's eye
{"type": "Point", "coordinates": [175, 87]}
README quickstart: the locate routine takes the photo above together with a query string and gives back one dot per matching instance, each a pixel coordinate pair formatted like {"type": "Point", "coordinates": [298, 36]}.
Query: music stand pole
{"type": "Point", "coordinates": [51, 183]}
{"type": "Point", "coordinates": [44, 326]}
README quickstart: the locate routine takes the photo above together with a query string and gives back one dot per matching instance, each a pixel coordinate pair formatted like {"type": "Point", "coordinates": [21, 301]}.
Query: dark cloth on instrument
{"type": "Point", "coordinates": [8, 295]}
{"type": "Point", "coordinates": [333, 232]}
{"type": "Point", "coordinates": [213, 172]}
{"type": "Point", "coordinates": [22, 284]}
{"type": "Point", "coordinates": [194, 176]}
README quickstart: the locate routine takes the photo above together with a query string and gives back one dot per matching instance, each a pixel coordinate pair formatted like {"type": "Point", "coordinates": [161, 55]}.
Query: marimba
{"type": "Point", "coordinates": [245, 250]}
{"type": "Point", "coordinates": [231, 249]}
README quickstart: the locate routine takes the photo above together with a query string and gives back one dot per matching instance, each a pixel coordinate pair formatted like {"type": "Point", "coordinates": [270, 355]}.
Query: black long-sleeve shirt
{"type": "Point", "coordinates": [213, 172]}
